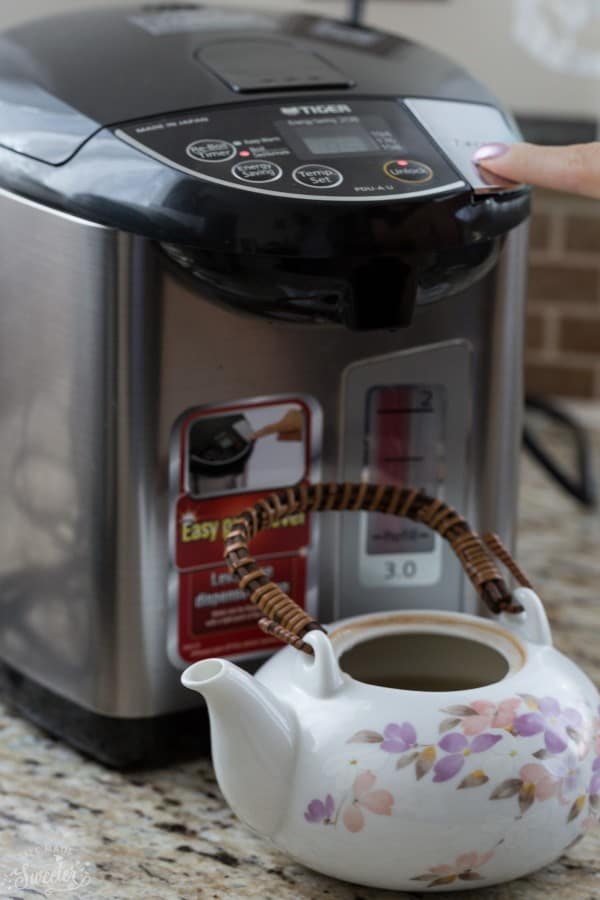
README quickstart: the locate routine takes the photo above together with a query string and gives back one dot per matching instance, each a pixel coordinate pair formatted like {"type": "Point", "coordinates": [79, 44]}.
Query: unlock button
{"type": "Point", "coordinates": [408, 170]}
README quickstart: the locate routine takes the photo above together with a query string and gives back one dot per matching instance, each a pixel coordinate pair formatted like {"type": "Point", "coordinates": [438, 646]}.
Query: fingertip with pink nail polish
{"type": "Point", "coordinates": [490, 151]}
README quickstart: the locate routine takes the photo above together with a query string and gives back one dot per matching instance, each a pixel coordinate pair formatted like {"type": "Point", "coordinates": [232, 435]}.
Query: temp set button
{"type": "Point", "coordinates": [313, 175]}
{"type": "Point", "coordinates": [256, 171]}
{"type": "Point", "coordinates": [408, 171]}
{"type": "Point", "coordinates": [211, 151]}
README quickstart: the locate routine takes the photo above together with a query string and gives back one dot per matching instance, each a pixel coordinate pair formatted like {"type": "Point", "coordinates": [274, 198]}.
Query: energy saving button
{"type": "Point", "coordinates": [314, 175]}
{"type": "Point", "coordinates": [408, 171]}
{"type": "Point", "coordinates": [211, 151]}
{"type": "Point", "coordinates": [255, 171]}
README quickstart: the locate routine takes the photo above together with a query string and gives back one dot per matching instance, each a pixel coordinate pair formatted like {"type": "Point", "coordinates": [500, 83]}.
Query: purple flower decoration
{"type": "Point", "coordinates": [458, 748]}
{"type": "Point", "coordinates": [548, 719]}
{"type": "Point", "coordinates": [595, 782]}
{"type": "Point", "coordinates": [319, 811]}
{"type": "Point", "coordinates": [398, 738]}
{"type": "Point", "coordinates": [565, 769]}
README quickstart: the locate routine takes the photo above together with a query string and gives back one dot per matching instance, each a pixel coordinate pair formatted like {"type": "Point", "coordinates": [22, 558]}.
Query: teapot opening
{"type": "Point", "coordinates": [422, 661]}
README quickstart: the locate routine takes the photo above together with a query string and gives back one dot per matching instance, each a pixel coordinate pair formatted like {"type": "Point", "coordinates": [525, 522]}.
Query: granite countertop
{"type": "Point", "coordinates": [166, 833]}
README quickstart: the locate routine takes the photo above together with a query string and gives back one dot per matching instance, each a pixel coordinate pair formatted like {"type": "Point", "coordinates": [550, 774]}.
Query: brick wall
{"type": "Point", "coordinates": [563, 320]}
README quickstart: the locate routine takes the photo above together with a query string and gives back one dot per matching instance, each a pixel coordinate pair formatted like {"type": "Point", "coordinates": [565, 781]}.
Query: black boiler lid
{"type": "Point", "coordinates": [64, 78]}
{"type": "Point", "coordinates": [249, 142]}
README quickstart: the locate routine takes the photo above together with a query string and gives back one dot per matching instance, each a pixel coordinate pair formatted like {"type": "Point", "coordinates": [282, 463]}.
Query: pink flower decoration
{"type": "Point", "coordinates": [464, 868]}
{"type": "Point", "coordinates": [378, 802]}
{"type": "Point", "coordinates": [545, 785]}
{"type": "Point", "coordinates": [442, 871]}
{"type": "Point", "coordinates": [490, 715]}
{"type": "Point", "coordinates": [472, 861]}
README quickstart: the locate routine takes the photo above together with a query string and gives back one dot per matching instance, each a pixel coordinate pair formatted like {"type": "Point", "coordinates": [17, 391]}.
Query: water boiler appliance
{"type": "Point", "coordinates": [239, 251]}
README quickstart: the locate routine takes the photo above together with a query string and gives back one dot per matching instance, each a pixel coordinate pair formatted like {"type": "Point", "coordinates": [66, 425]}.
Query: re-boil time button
{"type": "Point", "coordinates": [313, 175]}
{"type": "Point", "coordinates": [256, 171]}
{"type": "Point", "coordinates": [408, 170]}
{"type": "Point", "coordinates": [211, 151]}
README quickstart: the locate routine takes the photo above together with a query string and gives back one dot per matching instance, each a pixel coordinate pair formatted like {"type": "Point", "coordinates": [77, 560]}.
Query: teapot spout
{"type": "Point", "coordinates": [252, 739]}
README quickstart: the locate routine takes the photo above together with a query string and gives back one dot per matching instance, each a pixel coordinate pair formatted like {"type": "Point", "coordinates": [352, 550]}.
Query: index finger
{"type": "Point", "coordinates": [574, 168]}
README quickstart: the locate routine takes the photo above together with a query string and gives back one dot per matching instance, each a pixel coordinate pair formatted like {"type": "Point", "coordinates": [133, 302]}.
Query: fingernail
{"type": "Point", "coordinates": [490, 151]}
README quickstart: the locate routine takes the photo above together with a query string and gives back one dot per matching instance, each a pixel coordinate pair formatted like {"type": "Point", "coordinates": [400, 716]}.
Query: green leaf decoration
{"type": "Point", "coordinates": [595, 802]}
{"type": "Point", "coordinates": [507, 789]}
{"type": "Point", "coordinates": [475, 779]}
{"type": "Point", "coordinates": [542, 754]}
{"type": "Point", "coordinates": [427, 877]}
{"type": "Point", "coordinates": [460, 711]}
{"type": "Point", "coordinates": [448, 725]}
{"type": "Point", "coordinates": [365, 737]}
{"type": "Point", "coordinates": [470, 876]}
{"type": "Point", "coordinates": [406, 760]}
{"type": "Point", "coordinates": [425, 761]}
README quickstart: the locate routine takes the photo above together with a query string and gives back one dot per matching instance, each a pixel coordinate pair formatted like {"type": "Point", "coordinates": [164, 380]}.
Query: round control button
{"type": "Point", "coordinates": [408, 171]}
{"type": "Point", "coordinates": [257, 171]}
{"type": "Point", "coordinates": [314, 175]}
{"type": "Point", "coordinates": [211, 151]}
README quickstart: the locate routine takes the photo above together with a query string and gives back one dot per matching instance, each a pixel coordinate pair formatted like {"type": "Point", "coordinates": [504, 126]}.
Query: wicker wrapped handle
{"type": "Point", "coordinates": [287, 621]}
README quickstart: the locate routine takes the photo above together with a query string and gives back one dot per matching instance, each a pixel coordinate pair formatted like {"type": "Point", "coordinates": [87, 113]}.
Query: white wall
{"type": "Point", "coordinates": [479, 33]}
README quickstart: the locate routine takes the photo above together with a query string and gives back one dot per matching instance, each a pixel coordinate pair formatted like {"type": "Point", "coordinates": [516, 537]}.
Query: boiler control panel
{"type": "Point", "coordinates": [318, 150]}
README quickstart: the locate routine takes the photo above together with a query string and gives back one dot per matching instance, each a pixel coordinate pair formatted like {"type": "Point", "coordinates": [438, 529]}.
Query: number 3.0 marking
{"type": "Point", "coordinates": [390, 571]}
{"type": "Point", "coordinates": [407, 570]}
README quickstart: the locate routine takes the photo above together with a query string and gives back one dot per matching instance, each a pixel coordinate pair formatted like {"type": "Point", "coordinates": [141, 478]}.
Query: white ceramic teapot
{"type": "Point", "coordinates": [415, 750]}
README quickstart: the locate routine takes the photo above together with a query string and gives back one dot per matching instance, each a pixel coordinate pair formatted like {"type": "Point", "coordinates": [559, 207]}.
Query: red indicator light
{"type": "Point", "coordinates": [244, 153]}
{"type": "Point", "coordinates": [401, 162]}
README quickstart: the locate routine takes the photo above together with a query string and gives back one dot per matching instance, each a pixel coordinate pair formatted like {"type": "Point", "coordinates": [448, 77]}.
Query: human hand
{"type": "Point", "coordinates": [575, 168]}
{"type": "Point", "coordinates": [289, 428]}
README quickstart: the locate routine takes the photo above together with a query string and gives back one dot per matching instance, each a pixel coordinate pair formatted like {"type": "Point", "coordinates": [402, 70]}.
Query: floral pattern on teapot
{"type": "Point", "coordinates": [554, 773]}
{"type": "Point", "coordinates": [464, 868]}
{"type": "Point", "coordinates": [352, 807]}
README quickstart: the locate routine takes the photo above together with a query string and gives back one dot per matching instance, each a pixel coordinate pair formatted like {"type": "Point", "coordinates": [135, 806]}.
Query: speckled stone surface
{"type": "Point", "coordinates": [69, 828]}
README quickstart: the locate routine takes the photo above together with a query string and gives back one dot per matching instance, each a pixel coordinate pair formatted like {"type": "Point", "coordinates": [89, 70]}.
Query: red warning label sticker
{"type": "Point", "coordinates": [228, 459]}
